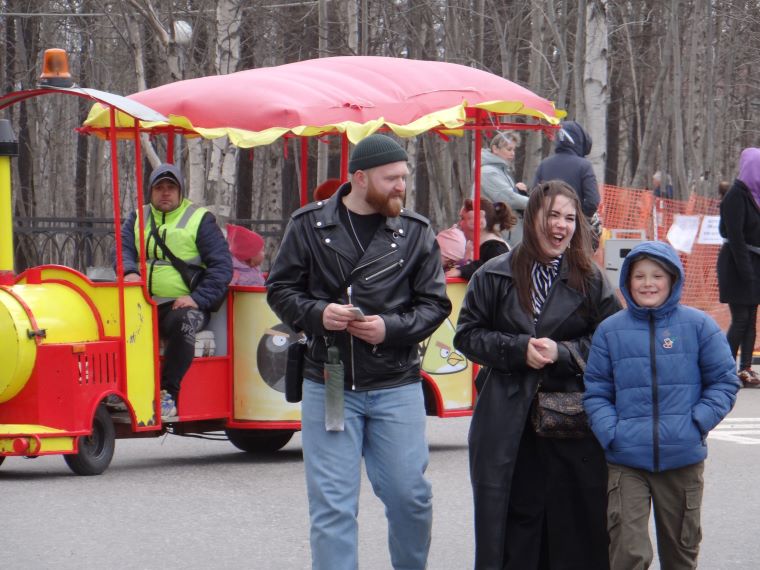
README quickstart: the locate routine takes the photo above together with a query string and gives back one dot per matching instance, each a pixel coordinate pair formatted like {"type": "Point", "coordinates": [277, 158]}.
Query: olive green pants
{"type": "Point", "coordinates": [677, 498]}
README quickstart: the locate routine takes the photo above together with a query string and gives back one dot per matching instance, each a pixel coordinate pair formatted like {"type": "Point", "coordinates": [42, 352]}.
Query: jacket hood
{"type": "Point", "coordinates": [665, 254]}
{"type": "Point", "coordinates": [573, 138]}
{"type": "Point", "coordinates": [162, 171]}
{"type": "Point", "coordinates": [489, 158]}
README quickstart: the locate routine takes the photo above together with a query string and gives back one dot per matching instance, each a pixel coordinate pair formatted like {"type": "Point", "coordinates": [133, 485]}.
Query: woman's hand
{"type": "Point", "coordinates": [541, 351]}
{"type": "Point", "coordinates": [454, 272]}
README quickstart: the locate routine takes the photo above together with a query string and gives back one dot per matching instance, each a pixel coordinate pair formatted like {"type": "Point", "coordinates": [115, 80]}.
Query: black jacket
{"type": "Point", "coordinates": [399, 277]}
{"type": "Point", "coordinates": [493, 330]}
{"type": "Point", "coordinates": [568, 164]}
{"type": "Point", "coordinates": [738, 267]}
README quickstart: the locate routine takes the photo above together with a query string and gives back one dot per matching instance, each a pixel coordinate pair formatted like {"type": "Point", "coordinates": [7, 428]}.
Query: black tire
{"type": "Point", "coordinates": [259, 441]}
{"type": "Point", "coordinates": [95, 450]}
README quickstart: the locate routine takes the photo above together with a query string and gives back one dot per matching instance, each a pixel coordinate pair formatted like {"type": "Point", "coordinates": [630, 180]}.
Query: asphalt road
{"type": "Point", "coordinates": [189, 503]}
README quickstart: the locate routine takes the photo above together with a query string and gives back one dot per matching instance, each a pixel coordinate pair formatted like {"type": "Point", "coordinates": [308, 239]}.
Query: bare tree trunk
{"type": "Point", "coordinates": [133, 33]}
{"type": "Point", "coordinates": [222, 168]}
{"type": "Point", "coordinates": [546, 11]}
{"type": "Point", "coordinates": [679, 168]}
{"type": "Point", "coordinates": [534, 144]}
{"type": "Point", "coordinates": [352, 33]}
{"type": "Point", "coordinates": [583, 42]}
{"type": "Point", "coordinates": [322, 149]}
{"type": "Point", "coordinates": [652, 134]}
{"type": "Point", "coordinates": [596, 93]}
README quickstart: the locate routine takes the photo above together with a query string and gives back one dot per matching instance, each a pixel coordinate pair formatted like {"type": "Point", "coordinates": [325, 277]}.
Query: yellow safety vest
{"type": "Point", "coordinates": [178, 229]}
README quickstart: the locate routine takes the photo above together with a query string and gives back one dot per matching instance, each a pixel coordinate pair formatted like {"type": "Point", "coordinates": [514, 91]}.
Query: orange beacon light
{"type": "Point", "coordinates": [55, 69]}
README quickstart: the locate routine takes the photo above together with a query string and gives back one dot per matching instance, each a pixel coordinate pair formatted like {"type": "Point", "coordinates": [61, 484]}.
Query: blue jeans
{"type": "Point", "coordinates": [387, 427]}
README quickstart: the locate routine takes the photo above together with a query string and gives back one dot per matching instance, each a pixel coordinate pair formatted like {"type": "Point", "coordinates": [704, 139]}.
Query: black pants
{"type": "Point", "coordinates": [741, 333]}
{"type": "Point", "coordinates": [557, 517]}
{"type": "Point", "coordinates": [178, 327]}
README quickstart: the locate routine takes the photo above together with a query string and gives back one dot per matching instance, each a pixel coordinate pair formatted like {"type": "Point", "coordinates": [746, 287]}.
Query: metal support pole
{"type": "Point", "coordinates": [8, 148]}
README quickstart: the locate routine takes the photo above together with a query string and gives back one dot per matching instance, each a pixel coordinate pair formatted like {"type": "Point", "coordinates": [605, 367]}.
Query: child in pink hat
{"type": "Point", "coordinates": [247, 248]}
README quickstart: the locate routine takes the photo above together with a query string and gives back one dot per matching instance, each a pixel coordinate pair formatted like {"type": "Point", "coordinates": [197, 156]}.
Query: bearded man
{"type": "Point", "coordinates": [361, 276]}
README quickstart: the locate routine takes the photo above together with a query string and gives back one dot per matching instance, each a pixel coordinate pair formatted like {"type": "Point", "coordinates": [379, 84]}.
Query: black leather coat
{"type": "Point", "coordinates": [738, 267]}
{"type": "Point", "coordinates": [399, 277]}
{"type": "Point", "coordinates": [493, 330]}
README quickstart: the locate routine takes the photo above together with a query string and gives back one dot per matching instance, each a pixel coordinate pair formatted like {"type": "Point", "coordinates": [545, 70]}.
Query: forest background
{"type": "Point", "coordinates": [663, 85]}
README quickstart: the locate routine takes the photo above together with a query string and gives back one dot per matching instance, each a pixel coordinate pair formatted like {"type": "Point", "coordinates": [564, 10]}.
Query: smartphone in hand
{"type": "Point", "coordinates": [357, 313]}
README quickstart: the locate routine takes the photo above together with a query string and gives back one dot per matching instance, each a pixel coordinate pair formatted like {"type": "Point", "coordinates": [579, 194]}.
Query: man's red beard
{"type": "Point", "coordinates": [388, 205]}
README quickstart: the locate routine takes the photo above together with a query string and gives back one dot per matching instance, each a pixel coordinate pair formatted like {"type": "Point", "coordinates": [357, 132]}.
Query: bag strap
{"type": "Point", "coordinates": [180, 265]}
{"type": "Point", "coordinates": [574, 353]}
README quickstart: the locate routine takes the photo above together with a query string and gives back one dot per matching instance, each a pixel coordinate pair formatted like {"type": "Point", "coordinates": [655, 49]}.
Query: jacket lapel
{"type": "Point", "coordinates": [562, 302]}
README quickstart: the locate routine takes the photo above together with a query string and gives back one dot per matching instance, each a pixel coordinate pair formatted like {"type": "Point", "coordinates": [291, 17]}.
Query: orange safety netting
{"type": "Point", "coordinates": [634, 209]}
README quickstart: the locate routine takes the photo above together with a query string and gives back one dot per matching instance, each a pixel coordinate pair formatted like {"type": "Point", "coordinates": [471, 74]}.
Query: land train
{"type": "Point", "coordinates": [80, 358]}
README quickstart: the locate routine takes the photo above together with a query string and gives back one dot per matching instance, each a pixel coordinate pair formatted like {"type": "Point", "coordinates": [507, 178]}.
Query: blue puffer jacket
{"type": "Point", "coordinates": [658, 380]}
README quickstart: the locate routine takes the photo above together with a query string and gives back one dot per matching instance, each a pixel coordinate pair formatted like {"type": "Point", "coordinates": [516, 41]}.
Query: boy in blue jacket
{"type": "Point", "coordinates": [659, 377]}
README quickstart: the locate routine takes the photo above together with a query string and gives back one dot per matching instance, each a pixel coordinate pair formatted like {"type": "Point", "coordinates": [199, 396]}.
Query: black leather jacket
{"type": "Point", "coordinates": [399, 277]}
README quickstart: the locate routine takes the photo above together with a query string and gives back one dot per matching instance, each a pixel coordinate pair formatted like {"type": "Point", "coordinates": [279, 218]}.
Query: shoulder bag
{"type": "Point", "coordinates": [191, 274]}
{"type": "Point", "coordinates": [560, 415]}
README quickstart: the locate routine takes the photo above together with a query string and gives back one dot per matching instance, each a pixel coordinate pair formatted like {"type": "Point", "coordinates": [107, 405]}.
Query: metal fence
{"type": "Point", "coordinates": [85, 243]}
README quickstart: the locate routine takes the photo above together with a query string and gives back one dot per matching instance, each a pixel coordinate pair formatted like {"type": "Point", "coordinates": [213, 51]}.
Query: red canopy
{"type": "Point", "coordinates": [351, 94]}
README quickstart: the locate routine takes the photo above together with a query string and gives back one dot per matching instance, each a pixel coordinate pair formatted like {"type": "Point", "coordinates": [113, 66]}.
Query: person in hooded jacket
{"type": "Point", "coordinates": [191, 234]}
{"type": "Point", "coordinates": [568, 163]}
{"type": "Point", "coordinates": [527, 319]}
{"type": "Point", "coordinates": [660, 376]}
{"type": "Point", "coordinates": [739, 261]}
{"type": "Point", "coordinates": [497, 182]}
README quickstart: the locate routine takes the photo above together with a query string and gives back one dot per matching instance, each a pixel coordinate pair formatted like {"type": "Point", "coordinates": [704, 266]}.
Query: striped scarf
{"type": "Point", "coordinates": [542, 276]}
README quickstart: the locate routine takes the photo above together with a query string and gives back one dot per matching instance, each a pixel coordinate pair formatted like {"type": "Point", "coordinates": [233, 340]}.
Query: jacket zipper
{"type": "Point", "coordinates": [655, 398]}
{"type": "Point", "coordinates": [399, 263]}
{"type": "Point", "coordinates": [360, 267]}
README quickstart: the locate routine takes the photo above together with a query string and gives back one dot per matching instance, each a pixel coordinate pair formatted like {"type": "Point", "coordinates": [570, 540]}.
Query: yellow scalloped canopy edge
{"type": "Point", "coordinates": [449, 119]}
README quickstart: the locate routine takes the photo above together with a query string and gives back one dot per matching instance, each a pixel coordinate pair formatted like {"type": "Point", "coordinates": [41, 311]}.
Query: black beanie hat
{"type": "Point", "coordinates": [376, 150]}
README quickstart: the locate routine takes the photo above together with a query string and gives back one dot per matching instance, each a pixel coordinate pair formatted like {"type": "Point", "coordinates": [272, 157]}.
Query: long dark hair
{"type": "Point", "coordinates": [577, 257]}
{"type": "Point", "coordinates": [498, 214]}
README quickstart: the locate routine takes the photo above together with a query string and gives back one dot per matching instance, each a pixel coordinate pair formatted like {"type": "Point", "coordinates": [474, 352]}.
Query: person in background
{"type": "Point", "coordinates": [247, 249]}
{"type": "Point", "coordinates": [527, 320]}
{"type": "Point", "coordinates": [662, 368]}
{"type": "Point", "coordinates": [657, 189]}
{"type": "Point", "coordinates": [326, 189]}
{"type": "Point", "coordinates": [723, 187]}
{"type": "Point", "coordinates": [494, 220]}
{"type": "Point", "coordinates": [569, 163]}
{"type": "Point", "coordinates": [191, 234]}
{"type": "Point", "coordinates": [452, 243]}
{"type": "Point", "coordinates": [497, 182]}
{"type": "Point", "coordinates": [361, 276]}
{"type": "Point", "coordinates": [739, 261]}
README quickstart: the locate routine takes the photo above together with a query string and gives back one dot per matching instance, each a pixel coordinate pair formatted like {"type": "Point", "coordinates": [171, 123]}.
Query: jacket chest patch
{"type": "Point", "coordinates": [669, 340]}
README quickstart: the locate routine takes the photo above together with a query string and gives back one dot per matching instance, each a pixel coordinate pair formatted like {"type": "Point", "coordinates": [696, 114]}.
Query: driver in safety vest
{"type": "Point", "coordinates": [188, 270]}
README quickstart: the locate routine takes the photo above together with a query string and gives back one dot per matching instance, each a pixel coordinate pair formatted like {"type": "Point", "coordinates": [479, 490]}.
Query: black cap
{"type": "Point", "coordinates": [376, 150]}
{"type": "Point", "coordinates": [168, 176]}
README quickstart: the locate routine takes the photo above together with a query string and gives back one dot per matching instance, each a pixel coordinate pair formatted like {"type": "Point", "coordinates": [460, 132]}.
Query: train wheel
{"type": "Point", "coordinates": [259, 441]}
{"type": "Point", "coordinates": [95, 450]}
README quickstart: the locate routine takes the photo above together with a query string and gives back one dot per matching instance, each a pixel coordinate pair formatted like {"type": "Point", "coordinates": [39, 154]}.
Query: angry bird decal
{"type": "Point", "coordinates": [439, 354]}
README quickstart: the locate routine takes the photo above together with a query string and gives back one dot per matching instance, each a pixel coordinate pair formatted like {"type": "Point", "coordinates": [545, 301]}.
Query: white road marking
{"type": "Point", "coordinates": [745, 431]}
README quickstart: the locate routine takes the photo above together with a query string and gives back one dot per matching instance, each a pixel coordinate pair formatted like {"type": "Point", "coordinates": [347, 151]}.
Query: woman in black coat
{"type": "Point", "coordinates": [539, 502]}
{"type": "Point", "coordinates": [739, 260]}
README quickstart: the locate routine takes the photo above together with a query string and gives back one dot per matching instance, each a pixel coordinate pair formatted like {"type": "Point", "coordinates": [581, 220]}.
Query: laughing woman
{"type": "Point", "coordinates": [527, 319]}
